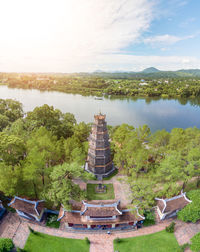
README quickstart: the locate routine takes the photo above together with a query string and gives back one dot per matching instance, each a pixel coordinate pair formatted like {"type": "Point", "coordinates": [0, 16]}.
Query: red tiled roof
{"type": "Point", "coordinates": [75, 218]}
{"type": "Point", "coordinates": [173, 204]}
{"type": "Point", "coordinates": [27, 207]}
{"type": "Point", "coordinates": [100, 208]}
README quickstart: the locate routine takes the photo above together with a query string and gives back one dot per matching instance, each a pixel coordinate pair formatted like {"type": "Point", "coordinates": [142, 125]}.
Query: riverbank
{"type": "Point", "coordinates": [156, 113]}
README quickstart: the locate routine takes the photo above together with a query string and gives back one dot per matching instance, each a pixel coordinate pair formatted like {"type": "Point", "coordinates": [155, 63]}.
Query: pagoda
{"type": "Point", "coordinates": [99, 160]}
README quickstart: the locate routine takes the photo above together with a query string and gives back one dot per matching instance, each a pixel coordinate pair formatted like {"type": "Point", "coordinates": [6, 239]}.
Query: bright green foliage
{"type": "Point", "coordinates": [12, 149]}
{"type": "Point", "coordinates": [75, 150]}
{"type": "Point", "coordinates": [4, 121]}
{"type": "Point", "coordinates": [191, 212]}
{"type": "Point", "coordinates": [87, 240]}
{"type": "Point", "coordinates": [18, 128]}
{"type": "Point", "coordinates": [81, 131]}
{"type": "Point", "coordinates": [6, 245]}
{"type": "Point", "coordinates": [48, 243]}
{"type": "Point", "coordinates": [160, 139]}
{"type": "Point", "coordinates": [10, 179]}
{"type": "Point", "coordinates": [195, 243]}
{"type": "Point", "coordinates": [43, 153]}
{"type": "Point", "coordinates": [142, 193]}
{"type": "Point", "coordinates": [157, 242]}
{"type": "Point", "coordinates": [52, 119]}
{"type": "Point", "coordinates": [52, 221]}
{"type": "Point", "coordinates": [170, 228]}
{"type": "Point", "coordinates": [11, 109]}
{"type": "Point", "coordinates": [149, 218]}
{"type": "Point", "coordinates": [62, 189]}
{"type": "Point", "coordinates": [171, 170]}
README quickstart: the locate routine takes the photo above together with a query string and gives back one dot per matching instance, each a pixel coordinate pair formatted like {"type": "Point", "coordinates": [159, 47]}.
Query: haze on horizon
{"type": "Point", "coordinates": [86, 35]}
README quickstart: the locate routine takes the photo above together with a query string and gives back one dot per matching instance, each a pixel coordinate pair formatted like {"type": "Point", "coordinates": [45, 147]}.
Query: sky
{"type": "Point", "coordinates": [89, 35]}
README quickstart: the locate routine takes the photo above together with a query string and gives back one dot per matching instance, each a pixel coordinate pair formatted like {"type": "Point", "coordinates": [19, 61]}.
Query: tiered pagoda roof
{"type": "Point", "coordinates": [99, 160]}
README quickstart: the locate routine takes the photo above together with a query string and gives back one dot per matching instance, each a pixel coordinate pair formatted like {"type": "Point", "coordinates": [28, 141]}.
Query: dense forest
{"type": "Point", "coordinates": [99, 84]}
{"type": "Point", "coordinates": [42, 151]}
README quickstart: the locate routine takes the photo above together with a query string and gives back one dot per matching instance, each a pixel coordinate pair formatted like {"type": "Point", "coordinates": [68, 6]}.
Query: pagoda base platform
{"type": "Point", "coordinates": [100, 176]}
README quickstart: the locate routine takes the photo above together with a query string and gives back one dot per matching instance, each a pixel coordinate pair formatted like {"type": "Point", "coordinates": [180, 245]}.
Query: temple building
{"type": "Point", "coordinates": [99, 160]}
{"type": "Point", "coordinates": [99, 215]}
{"type": "Point", "coordinates": [167, 208]}
{"type": "Point", "coordinates": [29, 209]}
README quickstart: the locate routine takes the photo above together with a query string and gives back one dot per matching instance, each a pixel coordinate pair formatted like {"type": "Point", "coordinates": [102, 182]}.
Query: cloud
{"type": "Point", "coordinates": [36, 33]}
{"type": "Point", "coordinates": [165, 39]}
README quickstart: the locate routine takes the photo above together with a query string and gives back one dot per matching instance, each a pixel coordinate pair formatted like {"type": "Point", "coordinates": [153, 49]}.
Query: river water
{"type": "Point", "coordinates": [156, 113]}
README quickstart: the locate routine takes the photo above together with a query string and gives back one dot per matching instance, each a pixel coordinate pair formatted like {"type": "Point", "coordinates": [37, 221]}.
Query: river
{"type": "Point", "coordinates": [156, 113]}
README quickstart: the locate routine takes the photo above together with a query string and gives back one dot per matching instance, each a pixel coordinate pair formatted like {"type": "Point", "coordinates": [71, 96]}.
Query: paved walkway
{"type": "Point", "coordinates": [185, 231]}
{"type": "Point", "coordinates": [121, 188]}
{"type": "Point", "coordinates": [19, 232]}
{"type": "Point", "coordinates": [12, 227]}
{"type": "Point", "coordinates": [8, 225]}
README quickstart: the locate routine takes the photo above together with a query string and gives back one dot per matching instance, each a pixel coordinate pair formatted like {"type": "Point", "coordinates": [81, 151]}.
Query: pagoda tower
{"type": "Point", "coordinates": [99, 160]}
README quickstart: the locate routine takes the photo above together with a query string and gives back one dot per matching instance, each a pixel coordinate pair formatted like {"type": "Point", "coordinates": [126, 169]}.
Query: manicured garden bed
{"type": "Point", "coordinates": [52, 221]}
{"type": "Point", "coordinates": [157, 242]}
{"type": "Point", "coordinates": [107, 195]}
{"type": "Point", "coordinates": [47, 243]}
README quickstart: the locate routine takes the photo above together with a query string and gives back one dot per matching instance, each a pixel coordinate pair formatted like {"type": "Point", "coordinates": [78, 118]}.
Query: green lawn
{"type": "Point", "coordinates": [47, 243]}
{"type": "Point", "coordinates": [108, 195]}
{"type": "Point", "coordinates": [157, 242]}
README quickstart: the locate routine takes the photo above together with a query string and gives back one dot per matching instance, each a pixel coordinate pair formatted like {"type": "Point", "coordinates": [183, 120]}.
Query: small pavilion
{"type": "Point", "coordinates": [167, 208]}
{"type": "Point", "coordinates": [29, 209]}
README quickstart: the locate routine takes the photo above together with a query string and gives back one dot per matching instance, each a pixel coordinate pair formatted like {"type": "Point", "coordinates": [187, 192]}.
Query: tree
{"type": "Point", "coordinates": [81, 131]}
{"type": "Point", "coordinates": [11, 109]}
{"type": "Point", "coordinates": [10, 179]}
{"type": "Point", "coordinates": [4, 122]}
{"type": "Point", "coordinates": [143, 132]}
{"type": "Point", "coordinates": [142, 193]}
{"type": "Point", "coordinates": [12, 149]}
{"type": "Point", "coordinates": [172, 170]}
{"type": "Point", "coordinates": [52, 119]}
{"type": "Point", "coordinates": [43, 152]}
{"type": "Point", "coordinates": [62, 189]}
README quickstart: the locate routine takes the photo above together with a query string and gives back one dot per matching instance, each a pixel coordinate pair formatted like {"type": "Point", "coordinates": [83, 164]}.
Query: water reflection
{"type": "Point", "coordinates": [157, 113]}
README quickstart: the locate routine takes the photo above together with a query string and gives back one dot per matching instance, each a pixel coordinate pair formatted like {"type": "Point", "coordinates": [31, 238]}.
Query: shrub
{"type": "Point", "coordinates": [170, 228]}
{"type": "Point", "coordinates": [195, 243]}
{"type": "Point", "coordinates": [87, 240]}
{"type": "Point", "coordinates": [192, 211]}
{"type": "Point", "coordinates": [32, 231]}
{"type": "Point", "coordinates": [117, 240]}
{"type": "Point", "coordinates": [149, 218]}
{"type": "Point", "coordinates": [6, 244]}
{"type": "Point", "coordinates": [184, 246]}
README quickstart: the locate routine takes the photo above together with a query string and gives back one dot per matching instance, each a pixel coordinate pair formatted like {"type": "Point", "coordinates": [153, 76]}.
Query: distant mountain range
{"type": "Point", "coordinates": [150, 72]}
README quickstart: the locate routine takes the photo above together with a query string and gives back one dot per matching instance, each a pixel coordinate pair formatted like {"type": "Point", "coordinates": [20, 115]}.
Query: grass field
{"type": "Point", "coordinates": [157, 242]}
{"type": "Point", "coordinates": [46, 243]}
{"type": "Point", "coordinates": [108, 195]}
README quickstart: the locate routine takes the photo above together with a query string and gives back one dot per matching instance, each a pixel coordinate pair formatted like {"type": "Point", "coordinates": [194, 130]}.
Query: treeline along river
{"type": "Point", "coordinates": [156, 113]}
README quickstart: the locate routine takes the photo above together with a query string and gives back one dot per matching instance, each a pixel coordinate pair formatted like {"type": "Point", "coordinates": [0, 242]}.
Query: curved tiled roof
{"type": "Point", "coordinates": [27, 206]}
{"type": "Point", "coordinates": [173, 204]}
